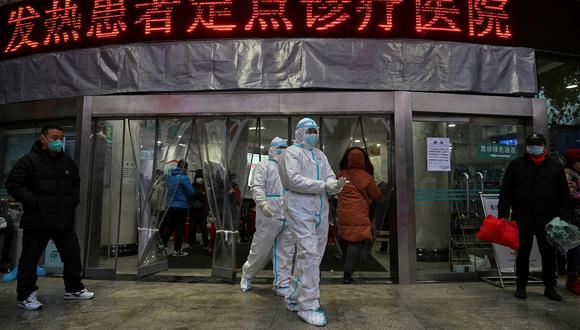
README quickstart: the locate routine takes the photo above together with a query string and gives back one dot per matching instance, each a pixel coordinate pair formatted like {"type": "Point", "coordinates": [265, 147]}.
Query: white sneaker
{"type": "Point", "coordinates": [30, 303]}
{"type": "Point", "coordinates": [84, 294]}
{"type": "Point", "coordinates": [313, 317]}
{"type": "Point", "coordinates": [245, 283]}
{"type": "Point", "coordinates": [180, 254]}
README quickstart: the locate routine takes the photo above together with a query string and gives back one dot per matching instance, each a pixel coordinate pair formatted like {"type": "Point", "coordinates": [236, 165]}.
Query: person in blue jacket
{"type": "Point", "coordinates": [177, 192]}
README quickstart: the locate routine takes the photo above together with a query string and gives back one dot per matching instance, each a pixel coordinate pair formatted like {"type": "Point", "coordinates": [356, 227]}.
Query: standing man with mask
{"type": "Point", "coordinates": [271, 225]}
{"type": "Point", "coordinates": [307, 177]}
{"type": "Point", "coordinates": [46, 181]}
{"type": "Point", "coordinates": [535, 188]}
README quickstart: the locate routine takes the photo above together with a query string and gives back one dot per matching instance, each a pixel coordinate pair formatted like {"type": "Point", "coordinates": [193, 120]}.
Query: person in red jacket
{"type": "Point", "coordinates": [354, 224]}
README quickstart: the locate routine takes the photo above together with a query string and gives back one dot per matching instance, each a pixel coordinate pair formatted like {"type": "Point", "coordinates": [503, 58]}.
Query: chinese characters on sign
{"type": "Point", "coordinates": [157, 15]}
{"type": "Point", "coordinates": [496, 151]}
{"type": "Point", "coordinates": [487, 16]}
{"type": "Point", "coordinates": [23, 21]}
{"type": "Point", "coordinates": [63, 22]}
{"type": "Point", "coordinates": [438, 154]}
{"type": "Point", "coordinates": [206, 13]}
{"type": "Point", "coordinates": [29, 25]}
{"type": "Point", "coordinates": [108, 18]}
{"type": "Point", "coordinates": [273, 11]}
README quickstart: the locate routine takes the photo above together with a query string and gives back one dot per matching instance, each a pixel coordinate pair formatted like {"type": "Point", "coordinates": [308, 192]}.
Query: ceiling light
{"type": "Point", "coordinates": [255, 128]}
{"type": "Point", "coordinates": [182, 145]}
{"type": "Point", "coordinates": [571, 86]}
{"type": "Point", "coordinates": [262, 147]}
{"type": "Point", "coordinates": [378, 144]}
{"type": "Point", "coordinates": [451, 125]}
{"type": "Point", "coordinates": [357, 141]}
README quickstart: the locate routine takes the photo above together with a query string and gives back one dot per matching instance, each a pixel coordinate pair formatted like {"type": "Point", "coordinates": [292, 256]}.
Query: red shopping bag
{"type": "Point", "coordinates": [500, 232]}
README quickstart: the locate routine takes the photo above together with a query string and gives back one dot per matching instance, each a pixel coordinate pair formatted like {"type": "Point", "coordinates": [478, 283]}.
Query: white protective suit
{"type": "Point", "coordinates": [272, 238]}
{"type": "Point", "coordinates": [307, 176]}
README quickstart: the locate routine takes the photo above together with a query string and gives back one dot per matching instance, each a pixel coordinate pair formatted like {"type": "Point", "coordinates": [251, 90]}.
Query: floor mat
{"type": "Point", "coordinates": [198, 258]}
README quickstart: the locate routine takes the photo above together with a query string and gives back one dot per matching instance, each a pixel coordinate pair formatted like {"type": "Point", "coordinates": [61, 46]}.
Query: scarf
{"type": "Point", "coordinates": [539, 159]}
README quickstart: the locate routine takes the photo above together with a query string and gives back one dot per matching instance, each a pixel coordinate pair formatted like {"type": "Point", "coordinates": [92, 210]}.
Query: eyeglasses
{"type": "Point", "coordinates": [281, 147]}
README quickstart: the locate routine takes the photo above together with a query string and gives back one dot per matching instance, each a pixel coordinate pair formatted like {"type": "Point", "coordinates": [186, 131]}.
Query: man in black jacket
{"type": "Point", "coordinates": [534, 187]}
{"type": "Point", "coordinates": [46, 182]}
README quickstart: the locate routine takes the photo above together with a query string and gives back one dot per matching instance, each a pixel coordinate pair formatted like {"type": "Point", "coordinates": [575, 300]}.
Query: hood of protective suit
{"type": "Point", "coordinates": [356, 159]}
{"type": "Point", "coordinates": [301, 128]}
{"type": "Point", "coordinates": [273, 150]}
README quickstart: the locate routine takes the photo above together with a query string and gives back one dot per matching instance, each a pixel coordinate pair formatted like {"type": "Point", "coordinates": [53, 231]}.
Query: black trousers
{"type": "Point", "coordinates": [526, 236]}
{"type": "Point", "coordinates": [33, 245]}
{"type": "Point", "coordinates": [202, 222]}
{"type": "Point", "coordinates": [174, 222]}
{"type": "Point", "coordinates": [353, 252]}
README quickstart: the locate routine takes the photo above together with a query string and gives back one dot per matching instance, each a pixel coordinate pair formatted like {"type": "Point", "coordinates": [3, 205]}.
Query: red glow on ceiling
{"type": "Point", "coordinates": [108, 18]}
{"type": "Point", "coordinates": [206, 13]}
{"type": "Point", "coordinates": [23, 19]}
{"type": "Point", "coordinates": [436, 15]}
{"type": "Point", "coordinates": [269, 11]}
{"type": "Point", "coordinates": [486, 16]}
{"type": "Point", "coordinates": [157, 15]}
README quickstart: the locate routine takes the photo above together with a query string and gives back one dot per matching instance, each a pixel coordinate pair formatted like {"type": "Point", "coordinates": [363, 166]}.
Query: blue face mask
{"type": "Point", "coordinates": [279, 152]}
{"type": "Point", "coordinates": [56, 145]}
{"type": "Point", "coordinates": [535, 150]}
{"type": "Point", "coordinates": [311, 139]}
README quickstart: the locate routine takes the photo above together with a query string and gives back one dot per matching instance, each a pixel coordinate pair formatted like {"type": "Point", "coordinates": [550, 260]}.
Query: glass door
{"type": "Point", "coordinates": [226, 156]}
{"type": "Point", "coordinates": [455, 161]}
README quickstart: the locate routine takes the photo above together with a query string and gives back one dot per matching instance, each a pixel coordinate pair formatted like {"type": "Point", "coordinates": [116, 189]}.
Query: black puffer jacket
{"type": "Point", "coordinates": [536, 194]}
{"type": "Point", "coordinates": [47, 187]}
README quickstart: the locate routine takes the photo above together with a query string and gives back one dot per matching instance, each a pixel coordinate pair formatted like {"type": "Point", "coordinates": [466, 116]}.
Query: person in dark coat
{"type": "Point", "coordinates": [198, 212]}
{"type": "Point", "coordinates": [46, 181]}
{"type": "Point", "coordinates": [535, 188]}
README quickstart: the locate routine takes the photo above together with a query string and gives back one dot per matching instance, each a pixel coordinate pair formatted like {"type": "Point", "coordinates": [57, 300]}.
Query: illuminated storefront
{"type": "Point", "coordinates": [143, 83]}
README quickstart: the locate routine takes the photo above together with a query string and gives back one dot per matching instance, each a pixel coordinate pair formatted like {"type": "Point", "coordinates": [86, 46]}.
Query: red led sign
{"type": "Point", "coordinates": [47, 25]}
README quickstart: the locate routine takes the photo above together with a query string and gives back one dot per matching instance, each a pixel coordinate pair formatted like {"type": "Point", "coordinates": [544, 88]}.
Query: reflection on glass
{"type": "Point", "coordinates": [108, 144]}
{"type": "Point", "coordinates": [224, 145]}
{"type": "Point", "coordinates": [447, 207]}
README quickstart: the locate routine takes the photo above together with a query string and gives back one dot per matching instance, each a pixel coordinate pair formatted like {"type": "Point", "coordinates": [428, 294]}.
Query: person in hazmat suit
{"type": "Point", "coordinates": [308, 179]}
{"type": "Point", "coordinates": [272, 239]}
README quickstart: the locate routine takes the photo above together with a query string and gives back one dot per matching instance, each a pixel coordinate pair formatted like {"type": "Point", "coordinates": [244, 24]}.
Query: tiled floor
{"type": "Point", "coordinates": [160, 305]}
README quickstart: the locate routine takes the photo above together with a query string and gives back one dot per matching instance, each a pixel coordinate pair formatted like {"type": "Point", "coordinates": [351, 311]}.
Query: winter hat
{"type": "Point", "coordinates": [572, 154]}
{"type": "Point", "coordinates": [535, 139]}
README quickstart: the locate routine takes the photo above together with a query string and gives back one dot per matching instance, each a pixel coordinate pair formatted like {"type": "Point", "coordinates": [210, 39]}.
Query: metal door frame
{"type": "Point", "coordinates": [410, 105]}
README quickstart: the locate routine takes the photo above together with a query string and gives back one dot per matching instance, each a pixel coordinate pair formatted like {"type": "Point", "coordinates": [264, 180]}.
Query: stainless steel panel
{"type": "Point", "coordinates": [243, 103]}
{"type": "Point", "coordinates": [40, 110]}
{"type": "Point", "coordinates": [83, 157]}
{"type": "Point", "coordinates": [405, 192]}
{"type": "Point", "coordinates": [472, 104]}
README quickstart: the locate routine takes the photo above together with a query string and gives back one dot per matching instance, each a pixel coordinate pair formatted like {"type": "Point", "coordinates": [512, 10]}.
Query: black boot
{"type": "Point", "coordinates": [552, 294]}
{"type": "Point", "coordinates": [521, 293]}
{"type": "Point", "coordinates": [347, 278]}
